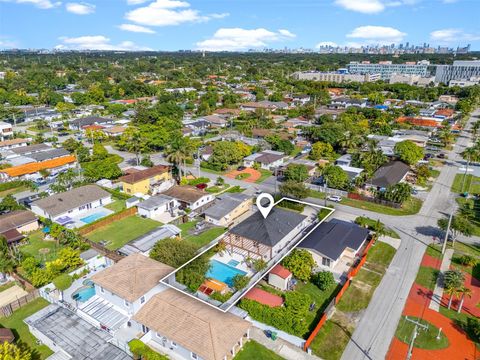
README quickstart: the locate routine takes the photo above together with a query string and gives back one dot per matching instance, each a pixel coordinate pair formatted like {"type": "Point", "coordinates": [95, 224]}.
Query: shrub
{"type": "Point", "coordinates": [63, 282]}
{"type": "Point", "coordinates": [141, 350]}
{"type": "Point", "coordinates": [467, 260]}
{"type": "Point", "coordinates": [473, 329]}
{"type": "Point", "coordinates": [323, 280]}
{"type": "Point", "coordinates": [200, 180]}
{"type": "Point", "coordinates": [259, 264]}
{"type": "Point", "coordinates": [240, 281]}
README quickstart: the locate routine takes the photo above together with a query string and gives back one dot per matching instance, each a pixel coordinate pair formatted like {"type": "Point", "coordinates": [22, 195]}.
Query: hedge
{"type": "Point", "coordinates": [143, 351]}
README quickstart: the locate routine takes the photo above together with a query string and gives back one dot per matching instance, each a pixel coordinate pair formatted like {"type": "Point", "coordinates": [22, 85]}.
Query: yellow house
{"type": "Point", "coordinates": [149, 181]}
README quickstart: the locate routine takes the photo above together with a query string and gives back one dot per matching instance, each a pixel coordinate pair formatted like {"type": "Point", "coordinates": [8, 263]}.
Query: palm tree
{"type": "Point", "coordinates": [451, 292]}
{"type": "Point", "coordinates": [453, 282]}
{"type": "Point", "coordinates": [6, 267]}
{"type": "Point", "coordinates": [465, 291]}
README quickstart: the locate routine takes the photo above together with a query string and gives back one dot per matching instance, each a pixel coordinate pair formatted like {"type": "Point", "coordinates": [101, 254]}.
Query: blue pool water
{"type": "Point", "coordinates": [223, 272]}
{"type": "Point", "coordinates": [233, 263]}
{"type": "Point", "coordinates": [93, 217]}
{"type": "Point", "coordinates": [84, 293]}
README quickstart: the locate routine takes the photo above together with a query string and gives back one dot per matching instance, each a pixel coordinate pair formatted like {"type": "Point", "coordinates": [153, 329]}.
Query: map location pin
{"type": "Point", "coordinates": [265, 209]}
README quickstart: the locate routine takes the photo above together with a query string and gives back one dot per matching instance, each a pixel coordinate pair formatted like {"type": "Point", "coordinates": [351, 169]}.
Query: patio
{"type": "Point", "coordinates": [85, 218]}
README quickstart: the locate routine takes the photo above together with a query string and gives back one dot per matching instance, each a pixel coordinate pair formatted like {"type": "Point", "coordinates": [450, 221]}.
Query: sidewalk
{"type": "Point", "coordinates": [438, 291]}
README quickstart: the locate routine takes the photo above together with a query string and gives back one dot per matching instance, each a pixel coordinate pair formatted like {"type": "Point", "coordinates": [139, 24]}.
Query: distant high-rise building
{"type": "Point", "coordinates": [460, 70]}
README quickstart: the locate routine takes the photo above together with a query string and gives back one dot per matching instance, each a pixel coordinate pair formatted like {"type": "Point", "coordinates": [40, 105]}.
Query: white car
{"type": "Point", "coordinates": [334, 198]}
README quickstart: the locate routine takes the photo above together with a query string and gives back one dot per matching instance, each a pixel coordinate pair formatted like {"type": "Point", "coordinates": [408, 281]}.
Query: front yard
{"type": "Point", "coordinates": [470, 185]}
{"type": "Point", "coordinates": [120, 232]}
{"type": "Point", "coordinates": [252, 350]}
{"type": "Point", "coordinates": [20, 329]}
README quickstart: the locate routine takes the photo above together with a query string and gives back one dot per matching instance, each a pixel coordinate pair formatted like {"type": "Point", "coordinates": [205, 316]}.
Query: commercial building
{"type": "Point", "coordinates": [459, 70]}
{"type": "Point", "coordinates": [386, 68]}
{"type": "Point", "coordinates": [337, 77]}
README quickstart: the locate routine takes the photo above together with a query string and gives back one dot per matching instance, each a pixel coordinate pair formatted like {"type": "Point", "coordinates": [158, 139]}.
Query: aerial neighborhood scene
{"type": "Point", "coordinates": [229, 180]}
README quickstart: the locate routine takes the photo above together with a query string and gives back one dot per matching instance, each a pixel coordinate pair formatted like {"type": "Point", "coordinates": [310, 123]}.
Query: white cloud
{"type": "Point", "coordinates": [136, 28]}
{"type": "Point", "coordinates": [168, 12]}
{"type": "Point", "coordinates": [80, 8]}
{"type": "Point", "coordinates": [136, 2]}
{"type": "Point", "coordinates": [362, 6]}
{"type": "Point", "coordinates": [326, 43]}
{"type": "Point", "coordinates": [446, 36]}
{"type": "Point", "coordinates": [96, 42]}
{"type": "Point", "coordinates": [238, 39]}
{"type": "Point", "coordinates": [376, 35]}
{"type": "Point", "coordinates": [372, 6]}
{"type": "Point", "coordinates": [6, 43]}
{"type": "Point", "coordinates": [41, 4]}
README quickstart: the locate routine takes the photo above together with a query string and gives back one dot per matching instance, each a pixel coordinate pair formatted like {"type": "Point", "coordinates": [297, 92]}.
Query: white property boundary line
{"type": "Point", "coordinates": [265, 271]}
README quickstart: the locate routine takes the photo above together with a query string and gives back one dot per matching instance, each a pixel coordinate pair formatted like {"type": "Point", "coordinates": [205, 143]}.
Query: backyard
{"type": "Point", "coordinates": [20, 329]}
{"type": "Point", "coordinates": [333, 337]}
{"type": "Point", "coordinates": [252, 350]}
{"type": "Point", "coordinates": [202, 238]}
{"type": "Point", "coordinates": [120, 232]}
{"type": "Point", "coordinates": [36, 242]}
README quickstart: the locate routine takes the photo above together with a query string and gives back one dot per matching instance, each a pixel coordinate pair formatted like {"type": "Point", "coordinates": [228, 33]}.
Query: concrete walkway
{"type": "Point", "coordinates": [390, 241]}
{"type": "Point", "coordinates": [438, 291]}
{"type": "Point", "coordinates": [280, 346]}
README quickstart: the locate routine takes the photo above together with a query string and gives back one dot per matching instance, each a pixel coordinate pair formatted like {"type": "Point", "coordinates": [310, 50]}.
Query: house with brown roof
{"type": "Point", "coordinates": [114, 131]}
{"type": "Point", "coordinates": [13, 143]}
{"type": "Point", "coordinates": [149, 181]}
{"type": "Point", "coordinates": [16, 223]}
{"type": "Point", "coordinates": [131, 282]}
{"type": "Point", "coordinates": [190, 197]}
{"type": "Point", "coordinates": [267, 159]}
{"type": "Point", "coordinates": [182, 327]}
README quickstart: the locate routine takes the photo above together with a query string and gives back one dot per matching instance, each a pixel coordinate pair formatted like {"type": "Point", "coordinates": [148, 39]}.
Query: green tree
{"type": "Point", "coordinates": [300, 262]}
{"type": "Point", "coordinates": [321, 150]}
{"type": "Point", "coordinates": [193, 275]}
{"type": "Point", "coordinates": [336, 177]}
{"type": "Point", "coordinates": [323, 279]}
{"type": "Point", "coordinates": [294, 190]}
{"type": "Point", "coordinates": [173, 252]}
{"type": "Point", "coordinates": [240, 281]}
{"type": "Point", "coordinates": [453, 281]}
{"type": "Point", "coordinates": [408, 152]}
{"type": "Point", "coordinates": [296, 172]}
{"type": "Point", "coordinates": [398, 193]}
{"type": "Point", "coordinates": [14, 352]}
{"type": "Point", "coordinates": [62, 282]}
{"type": "Point", "coordinates": [9, 203]}
{"type": "Point", "coordinates": [460, 225]}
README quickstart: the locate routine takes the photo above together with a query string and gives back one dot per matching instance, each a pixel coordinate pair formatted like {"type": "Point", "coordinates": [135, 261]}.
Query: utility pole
{"type": "Point", "coordinates": [444, 247]}
{"type": "Point", "coordinates": [465, 174]}
{"type": "Point", "coordinates": [414, 335]}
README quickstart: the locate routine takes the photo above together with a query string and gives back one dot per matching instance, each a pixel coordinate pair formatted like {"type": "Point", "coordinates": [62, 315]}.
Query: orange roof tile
{"type": "Point", "coordinates": [32, 168]}
{"type": "Point", "coordinates": [419, 122]}
{"type": "Point", "coordinates": [264, 297]}
{"type": "Point", "coordinates": [445, 112]}
{"type": "Point", "coordinates": [280, 271]}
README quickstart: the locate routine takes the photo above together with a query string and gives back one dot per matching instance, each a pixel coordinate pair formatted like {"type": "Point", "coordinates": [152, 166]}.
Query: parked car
{"type": "Point", "coordinates": [441, 156]}
{"type": "Point", "coordinates": [334, 198]}
{"type": "Point", "coordinates": [241, 168]}
{"type": "Point", "coordinates": [201, 186]}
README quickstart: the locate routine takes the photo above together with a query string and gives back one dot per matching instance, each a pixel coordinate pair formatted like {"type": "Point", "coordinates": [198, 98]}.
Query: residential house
{"type": "Point", "coordinates": [31, 170]}
{"type": "Point", "coordinates": [267, 159]}
{"type": "Point", "coordinates": [13, 143]}
{"type": "Point", "coordinates": [6, 130]}
{"type": "Point", "coordinates": [263, 238]}
{"type": "Point", "coordinates": [264, 105]}
{"type": "Point", "coordinates": [309, 164]}
{"type": "Point", "coordinates": [227, 208]}
{"type": "Point", "coordinates": [215, 120]}
{"type": "Point", "coordinates": [64, 206]}
{"type": "Point", "coordinates": [145, 243]}
{"type": "Point", "coordinates": [344, 160]}
{"type": "Point", "coordinates": [114, 131]}
{"type": "Point", "coordinates": [78, 124]}
{"type": "Point", "coordinates": [389, 174]}
{"type": "Point", "coordinates": [335, 242]}
{"type": "Point", "coordinates": [177, 325]}
{"type": "Point", "coordinates": [190, 197]}
{"type": "Point", "coordinates": [157, 207]}
{"type": "Point", "coordinates": [280, 277]}
{"type": "Point", "coordinates": [71, 337]}
{"type": "Point", "coordinates": [149, 181]}
{"type": "Point", "coordinates": [346, 102]}
{"type": "Point", "coordinates": [15, 224]}
{"type": "Point", "coordinates": [421, 121]}
{"type": "Point", "coordinates": [130, 283]}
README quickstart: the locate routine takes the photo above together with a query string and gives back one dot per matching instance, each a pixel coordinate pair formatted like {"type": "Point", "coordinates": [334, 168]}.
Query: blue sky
{"type": "Point", "coordinates": [235, 24]}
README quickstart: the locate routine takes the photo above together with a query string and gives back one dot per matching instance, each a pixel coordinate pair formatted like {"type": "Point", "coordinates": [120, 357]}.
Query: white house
{"type": "Point", "coordinates": [6, 130]}
{"type": "Point", "coordinates": [268, 159]}
{"type": "Point", "coordinates": [190, 197]}
{"type": "Point", "coordinates": [157, 206]}
{"type": "Point", "coordinates": [63, 206]}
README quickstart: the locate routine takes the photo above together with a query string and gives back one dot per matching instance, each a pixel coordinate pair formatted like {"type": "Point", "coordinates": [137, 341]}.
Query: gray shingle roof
{"type": "Point", "coordinates": [390, 174]}
{"type": "Point", "coordinates": [224, 204]}
{"type": "Point", "coordinates": [49, 154]}
{"type": "Point", "coordinates": [333, 237]}
{"type": "Point", "coordinates": [270, 230]}
{"type": "Point", "coordinates": [154, 202]}
{"type": "Point", "coordinates": [59, 203]}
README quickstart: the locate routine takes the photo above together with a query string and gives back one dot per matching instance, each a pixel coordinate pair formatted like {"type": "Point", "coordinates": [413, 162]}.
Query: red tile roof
{"type": "Point", "coordinates": [264, 297]}
{"type": "Point", "coordinates": [419, 121]}
{"type": "Point", "coordinates": [93, 127]}
{"type": "Point", "coordinates": [280, 271]}
{"type": "Point", "coordinates": [32, 168]}
{"type": "Point", "coordinates": [445, 112]}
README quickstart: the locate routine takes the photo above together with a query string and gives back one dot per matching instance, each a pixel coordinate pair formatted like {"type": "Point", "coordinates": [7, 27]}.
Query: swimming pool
{"type": "Point", "coordinates": [223, 272]}
{"type": "Point", "coordinates": [93, 217]}
{"type": "Point", "coordinates": [84, 293]}
{"type": "Point", "coordinates": [233, 263]}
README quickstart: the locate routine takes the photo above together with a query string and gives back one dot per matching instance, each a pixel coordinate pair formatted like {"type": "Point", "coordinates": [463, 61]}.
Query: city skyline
{"type": "Point", "coordinates": [172, 25]}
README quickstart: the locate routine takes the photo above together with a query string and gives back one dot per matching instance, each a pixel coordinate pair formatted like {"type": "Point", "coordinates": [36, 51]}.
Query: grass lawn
{"type": "Point", "coordinates": [243, 176]}
{"type": "Point", "coordinates": [427, 277]}
{"type": "Point", "coordinates": [473, 207]}
{"type": "Point", "coordinates": [371, 225]}
{"type": "Point", "coordinates": [20, 329]}
{"type": "Point", "coordinates": [202, 239]}
{"type": "Point", "coordinates": [13, 191]}
{"type": "Point", "coordinates": [122, 231]}
{"type": "Point", "coordinates": [217, 189]}
{"type": "Point", "coordinates": [210, 171]}
{"type": "Point", "coordinates": [252, 350]}
{"type": "Point", "coordinates": [410, 207]}
{"type": "Point", "coordinates": [380, 256]}
{"type": "Point", "coordinates": [321, 299]}
{"type": "Point", "coordinates": [426, 338]}
{"type": "Point", "coordinates": [434, 251]}
{"type": "Point", "coordinates": [236, 189]}
{"type": "Point", "coordinates": [36, 243]}
{"type": "Point", "coordinates": [265, 175]}
{"type": "Point", "coordinates": [471, 184]}
{"type": "Point", "coordinates": [116, 206]}
{"type": "Point", "coordinates": [332, 338]}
